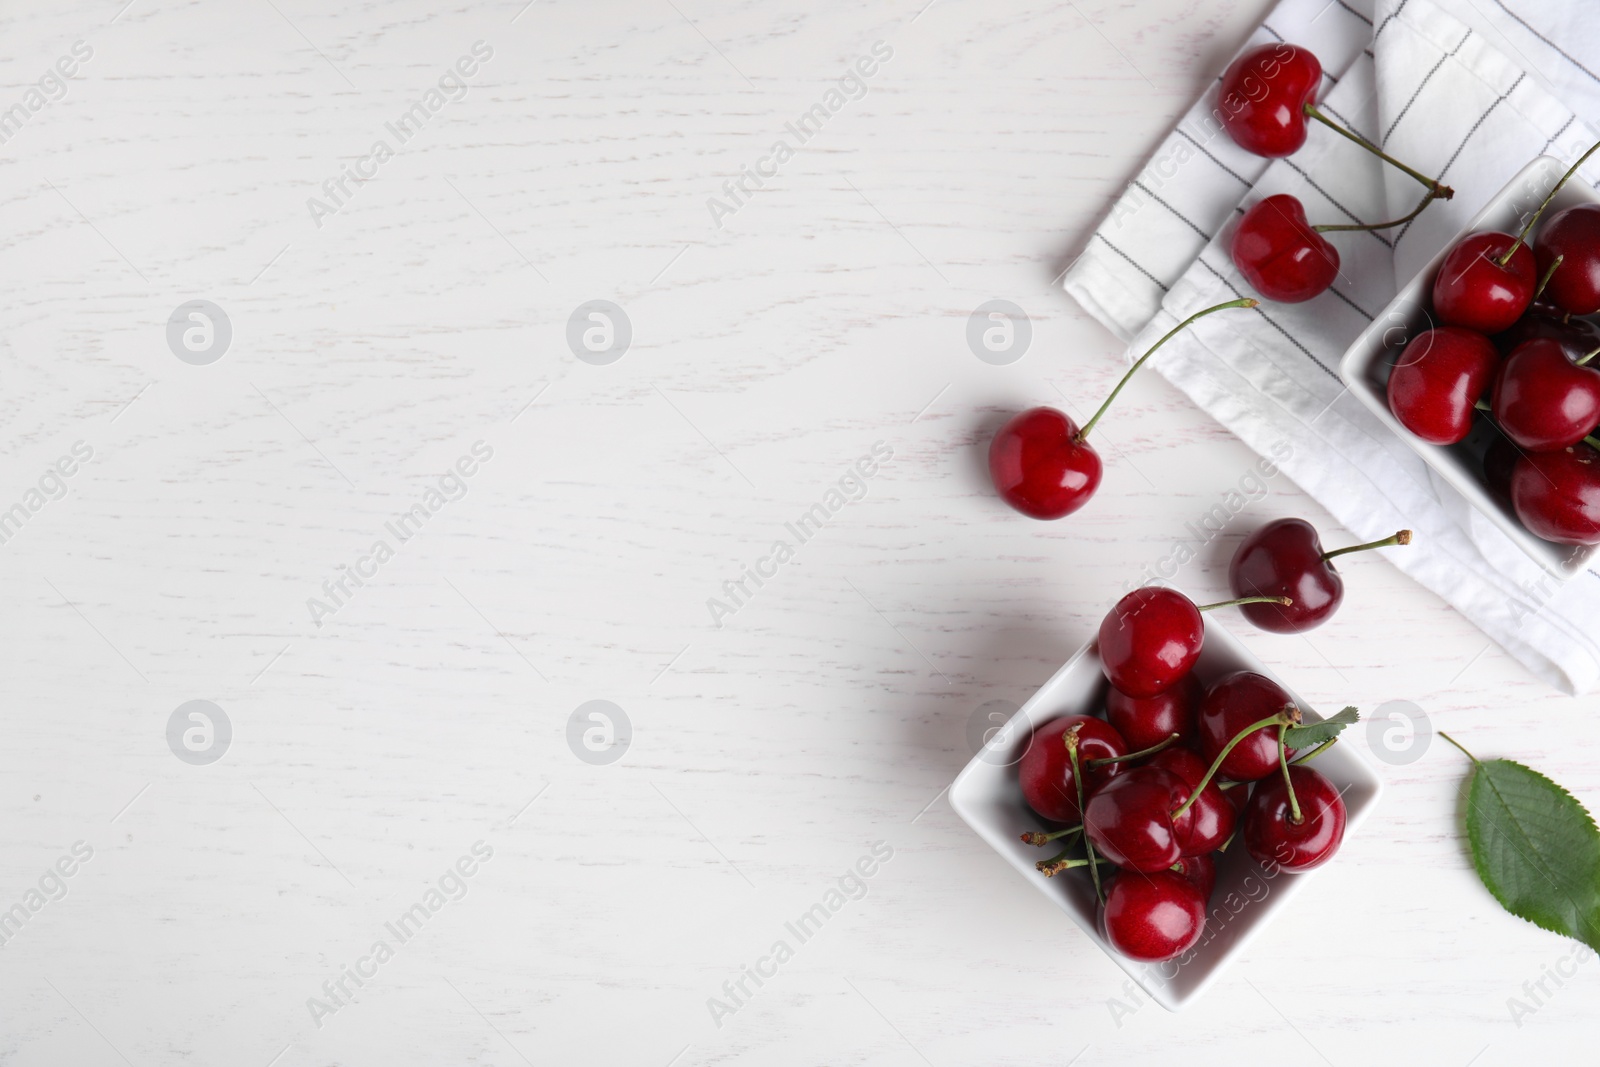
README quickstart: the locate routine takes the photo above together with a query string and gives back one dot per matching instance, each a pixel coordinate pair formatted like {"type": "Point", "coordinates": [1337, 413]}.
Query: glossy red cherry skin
{"type": "Point", "coordinates": [1280, 255]}
{"type": "Point", "coordinates": [1284, 558]}
{"type": "Point", "coordinates": [1153, 917]}
{"type": "Point", "coordinates": [1272, 836]}
{"type": "Point", "coordinates": [1474, 291]}
{"type": "Point", "coordinates": [1129, 820]}
{"type": "Point", "coordinates": [1040, 468]}
{"type": "Point", "coordinates": [1557, 495]}
{"type": "Point", "coordinates": [1233, 702]}
{"type": "Point", "coordinates": [1578, 337]}
{"type": "Point", "coordinates": [1201, 871]}
{"type": "Point", "coordinates": [1263, 97]}
{"type": "Point", "coordinates": [1439, 377]}
{"type": "Point", "coordinates": [1210, 820]}
{"type": "Point", "coordinates": [1147, 721]}
{"type": "Point", "coordinates": [1150, 639]}
{"type": "Point", "coordinates": [1575, 235]}
{"type": "Point", "coordinates": [1045, 772]}
{"type": "Point", "coordinates": [1542, 400]}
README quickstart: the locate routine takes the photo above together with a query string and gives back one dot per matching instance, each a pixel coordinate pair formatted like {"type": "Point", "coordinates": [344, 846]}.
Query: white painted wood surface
{"type": "Point", "coordinates": [430, 711]}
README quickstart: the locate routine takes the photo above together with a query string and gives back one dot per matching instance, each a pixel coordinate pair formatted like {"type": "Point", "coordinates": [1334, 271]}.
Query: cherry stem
{"type": "Point", "coordinates": [1592, 441]}
{"type": "Point", "coordinates": [1289, 716]}
{"type": "Point", "coordinates": [1071, 739]}
{"type": "Point", "coordinates": [1151, 751]}
{"type": "Point", "coordinates": [1458, 744]}
{"type": "Point", "coordinates": [1039, 839]}
{"type": "Point", "coordinates": [1584, 360]}
{"type": "Point", "coordinates": [1481, 406]}
{"type": "Point", "coordinates": [1401, 538]}
{"type": "Point", "coordinates": [1282, 601]}
{"type": "Point", "coordinates": [1440, 190]}
{"type": "Point", "coordinates": [1283, 762]}
{"type": "Point", "coordinates": [1308, 756]}
{"type": "Point", "coordinates": [1055, 865]}
{"type": "Point", "coordinates": [1246, 302]}
{"type": "Point", "coordinates": [1427, 199]}
{"type": "Point", "coordinates": [1224, 846]}
{"type": "Point", "coordinates": [1548, 274]}
{"type": "Point", "coordinates": [1523, 236]}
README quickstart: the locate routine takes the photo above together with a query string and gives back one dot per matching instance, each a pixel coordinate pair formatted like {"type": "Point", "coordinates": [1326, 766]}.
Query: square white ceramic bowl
{"type": "Point", "coordinates": [1365, 366]}
{"type": "Point", "coordinates": [987, 795]}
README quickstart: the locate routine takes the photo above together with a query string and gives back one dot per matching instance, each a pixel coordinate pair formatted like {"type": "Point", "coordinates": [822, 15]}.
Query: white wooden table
{"type": "Point", "coordinates": [381, 735]}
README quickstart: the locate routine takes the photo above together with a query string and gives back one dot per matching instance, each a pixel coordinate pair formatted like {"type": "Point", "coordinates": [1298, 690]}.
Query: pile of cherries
{"type": "Point", "coordinates": [1145, 798]}
{"type": "Point", "coordinates": [1266, 96]}
{"type": "Point", "coordinates": [1510, 349]}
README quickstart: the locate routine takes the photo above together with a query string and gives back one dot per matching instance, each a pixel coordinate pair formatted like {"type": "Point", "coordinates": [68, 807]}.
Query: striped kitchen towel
{"type": "Point", "coordinates": [1470, 98]}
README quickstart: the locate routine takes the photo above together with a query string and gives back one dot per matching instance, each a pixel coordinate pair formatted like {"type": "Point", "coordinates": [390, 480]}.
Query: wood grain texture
{"type": "Point", "coordinates": [767, 754]}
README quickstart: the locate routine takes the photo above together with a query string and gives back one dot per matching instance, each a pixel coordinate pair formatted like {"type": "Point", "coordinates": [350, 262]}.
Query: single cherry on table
{"type": "Point", "coordinates": [1041, 462]}
{"type": "Point", "coordinates": [1284, 257]}
{"type": "Point", "coordinates": [1281, 255]}
{"type": "Point", "coordinates": [1285, 559]}
{"type": "Point", "coordinates": [1268, 93]}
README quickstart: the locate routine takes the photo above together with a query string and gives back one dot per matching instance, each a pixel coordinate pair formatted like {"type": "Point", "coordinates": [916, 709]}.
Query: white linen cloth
{"type": "Point", "coordinates": [1451, 99]}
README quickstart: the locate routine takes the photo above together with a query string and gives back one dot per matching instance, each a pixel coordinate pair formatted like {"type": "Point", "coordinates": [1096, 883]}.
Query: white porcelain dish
{"type": "Point", "coordinates": [987, 795]}
{"type": "Point", "coordinates": [1366, 364]}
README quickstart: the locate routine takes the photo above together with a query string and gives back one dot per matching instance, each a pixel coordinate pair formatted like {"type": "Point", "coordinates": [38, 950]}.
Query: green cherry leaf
{"type": "Point", "coordinates": [1304, 737]}
{"type": "Point", "coordinates": [1536, 849]}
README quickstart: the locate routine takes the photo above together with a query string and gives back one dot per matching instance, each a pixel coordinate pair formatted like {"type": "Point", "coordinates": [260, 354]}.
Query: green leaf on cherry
{"type": "Point", "coordinates": [1313, 734]}
{"type": "Point", "coordinates": [1535, 847]}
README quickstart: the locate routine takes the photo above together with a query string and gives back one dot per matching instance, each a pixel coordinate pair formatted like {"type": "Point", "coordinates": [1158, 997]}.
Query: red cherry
{"type": "Point", "coordinates": [1543, 401]}
{"type": "Point", "coordinates": [1578, 337]}
{"type": "Point", "coordinates": [1150, 639]}
{"type": "Point", "coordinates": [1045, 772]}
{"type": "Point", "coordinates": [1475, 291]}
{"type": "Point", "coordinates": [1129, 819]}
{"type": "Point", "coordinates": [1153, 917]}
{"type": "Point", "coordinates": [1042, 464]}
{"type": "Point", "coordinates": [1285, 559]}
{"type": "Point", "coordinates": [1201, 871]}
{"type": "Point", "coordinates": [1273, 836]}
{"type": "Point", "coordinates": [1147, 721]}
{"type": "Point", "coordinates": [1233, 702]}
{"type": "Point", "coordinates": [1212, 816]}
{"type": "Point", "coordinates": [1280, 254]}
{"type": "Point", "coordinates": [1264, 94]}
{"type": "Point", "coordinates": [1575, 235]}
{"type": "Point", "coordinates": [1040, 467]}
{"type": "Point", "coordinates": [1557, 495]}
{"type": "Point", "coordinates": [1438, 379]}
